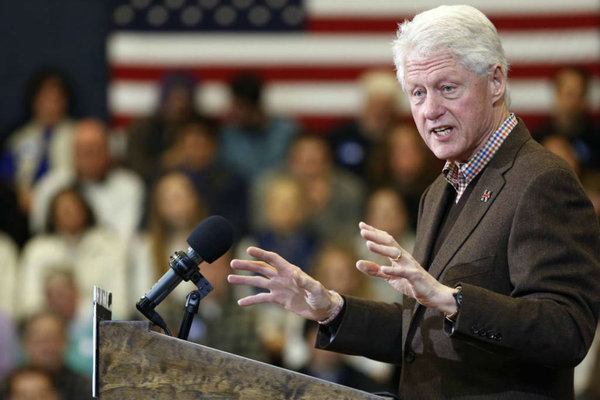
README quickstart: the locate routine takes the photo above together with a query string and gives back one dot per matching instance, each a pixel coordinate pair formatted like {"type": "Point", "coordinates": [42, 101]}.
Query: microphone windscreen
{"type": "Point", "coordinates": [211, 238]}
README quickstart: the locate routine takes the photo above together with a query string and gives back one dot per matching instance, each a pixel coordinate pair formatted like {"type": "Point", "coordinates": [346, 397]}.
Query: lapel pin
{"type": "Point", "coordinates": [486, 195]}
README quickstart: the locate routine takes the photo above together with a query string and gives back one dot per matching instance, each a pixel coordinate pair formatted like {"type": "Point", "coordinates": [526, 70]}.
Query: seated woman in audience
{"type": "Point", "coordinates": [94, 255]}
{"type": "Point", "coordinates": [175, 210]}
{"type": "Point", "coordinates": [44, 142]}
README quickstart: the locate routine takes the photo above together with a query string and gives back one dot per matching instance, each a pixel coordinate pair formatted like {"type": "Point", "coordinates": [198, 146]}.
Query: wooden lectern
{"type": "Point", "coordinates": [136, 363]}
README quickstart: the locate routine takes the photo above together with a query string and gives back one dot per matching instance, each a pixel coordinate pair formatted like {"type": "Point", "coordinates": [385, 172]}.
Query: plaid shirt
{"type": "Point", "coordinates": [460, 175]}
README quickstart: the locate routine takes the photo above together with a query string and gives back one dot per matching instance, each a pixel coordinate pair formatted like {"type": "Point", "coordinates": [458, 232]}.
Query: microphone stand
{"type": "Point", "coordinates": [192, 303]}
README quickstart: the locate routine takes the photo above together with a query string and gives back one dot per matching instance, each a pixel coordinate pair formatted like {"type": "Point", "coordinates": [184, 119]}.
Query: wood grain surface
{"type": "Point", "coordinates": [136, 363]}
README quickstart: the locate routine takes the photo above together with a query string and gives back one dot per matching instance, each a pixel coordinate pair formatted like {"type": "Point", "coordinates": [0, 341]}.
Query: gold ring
{"type": "Point", "coordinates": [398, 257]}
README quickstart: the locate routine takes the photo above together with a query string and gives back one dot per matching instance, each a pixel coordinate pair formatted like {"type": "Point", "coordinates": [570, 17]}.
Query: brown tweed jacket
{"type": "Point", "coordinates": [528, 261]}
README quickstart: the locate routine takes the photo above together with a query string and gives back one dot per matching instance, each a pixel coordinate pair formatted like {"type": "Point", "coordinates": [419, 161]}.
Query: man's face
{"type": "Point", "coordinates": [451, 105]}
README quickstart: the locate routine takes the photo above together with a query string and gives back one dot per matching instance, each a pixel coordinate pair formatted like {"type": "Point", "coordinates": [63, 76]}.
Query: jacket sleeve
{"type": "Point", "coordinates": [553, 260]}
{"type": "Point", "coordinates": [367, 328]}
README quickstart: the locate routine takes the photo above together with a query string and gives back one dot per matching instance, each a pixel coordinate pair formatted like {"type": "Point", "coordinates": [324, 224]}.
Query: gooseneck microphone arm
{"type": "Point", "coordinates": [208, 241]}
{"type": "Point", "coordinates": [183, 267]}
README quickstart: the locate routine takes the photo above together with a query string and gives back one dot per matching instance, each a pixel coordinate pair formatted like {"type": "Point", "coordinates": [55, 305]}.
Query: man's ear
{"type": "Point", "coordinates": [497, 83]}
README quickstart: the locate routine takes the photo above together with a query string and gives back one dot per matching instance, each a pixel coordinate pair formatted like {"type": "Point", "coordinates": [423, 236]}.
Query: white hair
{"type": "Point", "coordinates": [462, 30]}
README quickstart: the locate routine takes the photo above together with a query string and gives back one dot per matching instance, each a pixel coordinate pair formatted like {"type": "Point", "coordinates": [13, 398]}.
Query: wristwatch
{"type": "Point", "coordinates": [458, 299]}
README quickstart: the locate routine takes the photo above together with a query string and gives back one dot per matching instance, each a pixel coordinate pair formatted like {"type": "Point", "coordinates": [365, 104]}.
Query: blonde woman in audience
{"type": "Point", "coordinates": [285, 230]}
{"type": "Point", "coordinates": [94, 255]}
{"type": "Point", "coordinates": [175, 210]}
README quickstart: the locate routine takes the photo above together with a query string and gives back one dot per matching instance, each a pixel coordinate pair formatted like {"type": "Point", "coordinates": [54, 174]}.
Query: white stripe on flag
{"type": "Point", "coordinates": [247, 50]}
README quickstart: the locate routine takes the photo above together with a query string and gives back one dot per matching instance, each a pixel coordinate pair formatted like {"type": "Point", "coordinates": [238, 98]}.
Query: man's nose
{"type": "Point", "coordinates": [433, 106]}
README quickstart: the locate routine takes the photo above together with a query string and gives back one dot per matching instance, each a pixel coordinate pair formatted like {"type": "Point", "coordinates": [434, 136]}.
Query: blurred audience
{"type": "Point", "coordinates": [115, 194]}
{"type": "Point", "coordinates": [385, 210]}
{"type": "Point", "coordinates": [95, 256]}
{"type": "Point", "coordinates": [149, 138]}
{"type": "Point", "coordinates": [221, 323]}
{"type": "Point", "coordinates": [353, 143]}
{"type": "Point", "coordinates": [29, 383]}
{"type": "Point", "coordinates": [13, 220]}
{"type": "Point", "coordinates": [8, 343]}
{"type": "Point", "coordinates": [334, 367]}
{"type": "Point", "coordinates": [591, 185]}
{"type": "Point", "coordinates": [406, 165]}
{"type": "Point", "coordinates": [44, 142]}
{"type": "Point", "coordinates": [252, 140]}
{"type": "Point", "coordinates": [286, 230]}
{"type": "Point", "coordinates": [44, 343]}
{"type": "Point", "coordinates": [562, 147]}
{"type": "Point", "coordinates": [175, 210]}
{"type": "Point", "coordinates": [570, 117]}
{"type": "Point", "coordinates": [333, 197]}
{"type": "Point", "coordinates": [195, 153]}
{"type": "Point", "coordinates": [63, 298]}
{"type": "Point", "coordinates": [8, 284]}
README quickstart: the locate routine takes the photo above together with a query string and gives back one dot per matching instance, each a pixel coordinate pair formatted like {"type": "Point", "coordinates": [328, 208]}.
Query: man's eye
{"type": "Point", "coordinates": [418, 93]}
{"type": "Point", "coordinates": [448, 89]}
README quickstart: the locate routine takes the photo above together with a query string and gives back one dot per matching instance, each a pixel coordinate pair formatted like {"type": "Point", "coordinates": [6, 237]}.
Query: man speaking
{"type": "Point", "coordinates": [502, 292]}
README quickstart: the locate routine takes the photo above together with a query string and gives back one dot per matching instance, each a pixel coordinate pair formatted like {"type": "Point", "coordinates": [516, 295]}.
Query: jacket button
{"type": "Point", "coordinates": [474, 330]}
{"type": "Point", "coordinates": [483, 333]}
{"type": "Point", "coordinates": [498, 337]}
{"type": "Point", "coordinates": [409, 357]}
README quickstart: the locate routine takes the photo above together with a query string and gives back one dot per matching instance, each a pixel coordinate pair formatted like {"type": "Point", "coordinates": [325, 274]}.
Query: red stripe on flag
{"type": "Point", "coordinates": [505, 22]}
{"type": "Point", "coordinates": [322, 73]}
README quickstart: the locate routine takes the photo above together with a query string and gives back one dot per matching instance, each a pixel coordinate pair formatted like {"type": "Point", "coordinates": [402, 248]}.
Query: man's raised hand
{"type": "Point", "coordinates": [287, 284]}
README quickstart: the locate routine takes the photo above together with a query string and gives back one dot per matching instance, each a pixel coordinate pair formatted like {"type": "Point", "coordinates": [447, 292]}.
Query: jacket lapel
{"type": "Point", "coordinates": [491, 180]}
{"type": "Point", "coordinates": [432, 213]}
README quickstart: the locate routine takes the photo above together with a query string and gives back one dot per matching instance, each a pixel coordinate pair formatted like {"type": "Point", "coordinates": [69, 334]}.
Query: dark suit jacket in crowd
{"type": "Point", "coordinates": [527, 259]}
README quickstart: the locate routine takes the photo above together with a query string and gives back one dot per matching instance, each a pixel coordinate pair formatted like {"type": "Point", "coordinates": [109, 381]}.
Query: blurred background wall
{"type": "Point", "coordinates": [66, 34]}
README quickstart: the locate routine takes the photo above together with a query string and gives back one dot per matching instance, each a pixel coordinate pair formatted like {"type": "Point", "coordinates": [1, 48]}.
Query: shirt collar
{"type": "Point", "coordinates": [460, 175]}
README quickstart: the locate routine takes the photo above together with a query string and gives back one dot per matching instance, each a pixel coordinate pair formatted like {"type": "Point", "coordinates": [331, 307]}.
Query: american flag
{"type": "Point", "coordinates": [311, 52]}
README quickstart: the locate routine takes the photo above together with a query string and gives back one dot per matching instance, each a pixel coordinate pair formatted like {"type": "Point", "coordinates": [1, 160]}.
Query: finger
{"type": "Point", "coordinates": [395, 272]}
{"type": "Point", "coordinates": [370, 268]}
{"type": "Point", "coordinates": [259, 267]}
{"type": "Point", "coordinates": [364, 225]}
{"type": "Point", "coordinates": [378, 236]}
{"type": "Point", "coordinates": [270, 257]}
{"type": "Point", "coordinates": [256, 281]}
{"type": "Point", "coordinates": [256, 299]}
{"type": "Point", "coordinates": [387, 251]}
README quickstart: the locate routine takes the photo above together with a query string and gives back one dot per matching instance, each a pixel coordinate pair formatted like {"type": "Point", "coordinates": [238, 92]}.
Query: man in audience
{"type": "Point", "coordinates": [251, 139]}
{"type": "Point", "coordinates": [115, 194]}
{"type": "Point", "coordinates": [570, 117]}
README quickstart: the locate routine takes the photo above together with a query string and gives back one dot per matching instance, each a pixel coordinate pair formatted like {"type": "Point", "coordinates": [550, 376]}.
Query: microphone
{"type": "Point", "coordinates": [207, 242]}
